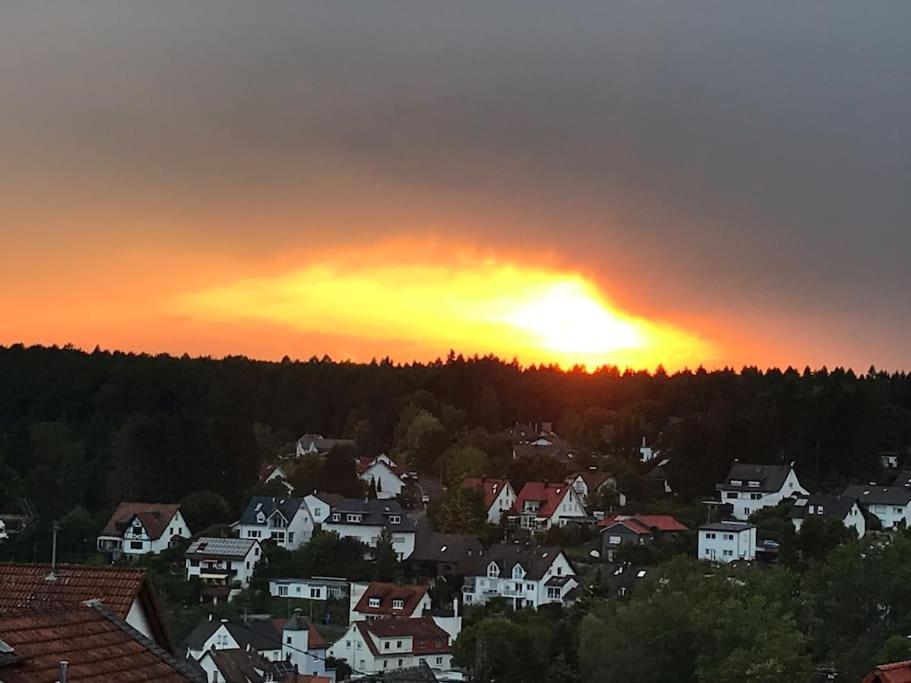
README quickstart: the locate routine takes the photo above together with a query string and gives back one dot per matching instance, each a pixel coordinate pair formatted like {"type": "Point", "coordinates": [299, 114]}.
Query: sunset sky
{"type": "Point", "coordinates": [581, 181]}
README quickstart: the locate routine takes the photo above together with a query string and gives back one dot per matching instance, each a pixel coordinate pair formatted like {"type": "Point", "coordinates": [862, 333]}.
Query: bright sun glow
{"type": "Point", "coordinates": [480, 306]}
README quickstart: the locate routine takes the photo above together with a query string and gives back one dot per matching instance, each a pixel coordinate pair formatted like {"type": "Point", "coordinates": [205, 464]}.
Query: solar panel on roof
{"type": "Point", "coordinates": [801, 502]}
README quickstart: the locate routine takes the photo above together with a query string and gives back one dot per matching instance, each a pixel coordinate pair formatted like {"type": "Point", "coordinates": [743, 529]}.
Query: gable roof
{"type": "Point", "coordinates": [260, 634]}
{"type": "Point", "coordinates": [535, 561]}
{"type": "Point", "coordinates": [489, 488]}
{"type": "Point", "coordinates": [223, 548]}
{"type": "Point", "coordinates": [288, 507]}
{"type": "Point", "coordinates": [155, 517]}
{"type": "Point", "coordinates": [420, 628]}
{"type": "Point", "coordinates": [644, 524]}
{"type": "Point", "coordinates": [320, 443]}
{"type": "Point", "coordinates": [897, 672]}
{"type": "Point", "coordinates": [267, 469]}
{"type": "Point", "coordinates": [431, 546]}
{"type": "Point", "coordinates": [98, 645]}
{"type": "Point", "coordinates": [593, 479]}
{"type": "Point", "coordinates": [878, 495]}
{"type": "Point", "coordinates": [770, 477]}
{"type": "Point", "coordinates": [28, 587]}
{"type": "Point", "coordinates": [375, 512]}
{"type": "Point", "coordinates": [832, 506]}
{"type": "Point", "coordinates": [365, 463]}
{"type": "Point", "coordinates": [411, 596]}
{"type": "Point", "coordinates": [549, 495]}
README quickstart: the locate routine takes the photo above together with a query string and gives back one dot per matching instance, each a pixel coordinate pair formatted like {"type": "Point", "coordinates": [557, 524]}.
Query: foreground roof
{"type": "Point", "coordinates": [155, 517]}
{"type": "Point", "coordinates": [98, 645]}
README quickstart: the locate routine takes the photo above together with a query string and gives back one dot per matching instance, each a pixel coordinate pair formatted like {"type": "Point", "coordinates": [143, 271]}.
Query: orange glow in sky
{"type": "Point", "coordinates": [474, 305]}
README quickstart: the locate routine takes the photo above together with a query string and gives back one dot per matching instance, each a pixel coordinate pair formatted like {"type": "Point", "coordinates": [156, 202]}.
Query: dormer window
{"type": "Point", "coordinates": [395, 519]}
{"type": "Point", "coordinates": [373, 602]}
{"type": "Point", "coordinates": [518, 572]}
{"type": "Point", "coordinates": [398, 604]}
{"type": "Point", "coordinates": [493, 571]}
{"type": "Point", "coordinates": [353, 518]}
{"type": "Point", "coordinates": [336, 517]}
{"type": "Point", "coordinates": [260, 518]}
{"type": "Point", "coordinates": [736, 482]}
{"type": "Point", "coordinates": [753, 484]}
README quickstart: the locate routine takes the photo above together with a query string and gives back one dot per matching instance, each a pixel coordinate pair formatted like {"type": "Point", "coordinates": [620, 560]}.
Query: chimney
{"type": "Point", "coordinates": [64, 665]}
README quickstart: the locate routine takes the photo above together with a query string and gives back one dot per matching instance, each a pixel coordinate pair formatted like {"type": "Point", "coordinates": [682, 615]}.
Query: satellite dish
{"type": "Point", "coordinates": [595, 554]}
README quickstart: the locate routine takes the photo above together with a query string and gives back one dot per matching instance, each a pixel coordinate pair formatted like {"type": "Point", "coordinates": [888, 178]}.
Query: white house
{"type": "Point", "coordinates": [590, 482]}
{"type": "Point", "coordinates": [316, 444]}
{"type": "Point", "coordinates": [320, 588]}
{"type": "Point", "coordinates": [749, 488]}
{"type": "Point", "coordinates": [499, 496]}
{"type": "Point", "coordinates": [381, 472]}
{"type": "Point", "coordinates": [541, 506]}
{"type": "Point", "coordinates": [142, 528]}
{"type": "Point", "coordinates": [285, 521]}
{"type": "Point", "coordinates": [275, 473]}
{"type": "Point", "coordinates": [291, 642]}
{"type": "Point", "coordinates": [372, 647]}
{"type": "Point", "coordinates": [890, 504]}
{"type": "Point", "coordinates": [366, 520]}
{"type": "Point", "coordinates": [526, 577]}
{"type": "Point", "coordinates": [844, 509]}
{"type": "Point", "coordinates": [727, 542]}
{"type": "Point", "coordinates": [378, 600]}
{"type": "Point", "coordinates": [320, 505]}
{"type": "Point", "coordinates": [224, 565]}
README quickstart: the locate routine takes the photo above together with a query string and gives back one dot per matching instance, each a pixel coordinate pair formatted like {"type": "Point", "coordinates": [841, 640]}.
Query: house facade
{"type": "Point", "coordinates": [285, 521]}
{"type": "Point", "coordinates": [499, 496]}
{"type": "Point", "coordinates": [319, 588]}
{"type": "Point", "coordinates": [749, 488]}
{"type": "Point", "coordinates": [378, 600]}
{"type": "Point", "coordinates": [890, 504]}
{"type": "Point", "coordinates": [842, 508]}
{"type": "Point", "coordinates": [619, 530]}
{"type": "Point", "coordinates": [367, 520]}
{"type": "Point", "coordinates": [374, 647]}
{"type": "Point", "coordinates": [526, 577]}
{"type": "Point", "coordinates": [142, 528]}
{"type": "Point", "coordinates": [223, 565]}
{"type": "Point", "coordinates": [540, 506]}
{"type": "Point", "coordinates": [727, 542]}
{"type": "Point", "coordinates": [381, 472]}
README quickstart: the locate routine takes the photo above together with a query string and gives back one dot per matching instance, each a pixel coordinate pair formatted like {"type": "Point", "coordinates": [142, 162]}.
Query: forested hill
{"type": "Point", "coordinates": [90, 429]}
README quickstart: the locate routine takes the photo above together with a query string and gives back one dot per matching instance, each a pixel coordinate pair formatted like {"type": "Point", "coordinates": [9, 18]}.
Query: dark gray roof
{"type": "Point", "coordinates": [535, 561]}
{"type": "Point", "coordinates": [832, 506]}
{"type": "Point", "coordinates": [414, 674]}
{"type": "Point", "coordinates": [770, 477]}
{"type": "Point", "coordinates": [902, 478]}
{"type": "Point", "coordinates": [878, 495]}
{"type": "Point", "coordinates": [430, 546]}
{"type": "Point", "coordinates": [260, 634]}
{"type": "Point", "coordinates": [727, 526]}
{"type": "Point", "coordinates": [322, 444]}
{"type": "Point", "coordinates": [269, 504]}
{"type": "Point", "coordinates": [375, 513]}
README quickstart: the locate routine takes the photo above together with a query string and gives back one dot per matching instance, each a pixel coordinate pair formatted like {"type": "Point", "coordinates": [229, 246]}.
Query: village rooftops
{"type": "Point", "coordinates": [758, 478]}
{"type": "Point", "coordinates": [155, 518]}
{"type": "Point", "coordinates": [220, 548]}
{"type": "Point", "coordinates": [431, 546]}
{"type": "Point", "coordinates": [371, 512]}
{"type": "Point", "coordinates": [548, 495]}
{"type": "Point", "coordinates": [823, 505]}
{"type": "Point", "coordinates": [260, 508]}
{"type": "Point", "coordinates": [387, 595]}
{"type": "Point", "coordinates": [644, 524]}
{"type": "Point", "coordinates": [419, 629]}
{"type": "Point", "coordinates": [320, 444]}
{"type": "Point", "coordinates": [258, 634]}
{"type": "Point", "coordinates": [878, 495]}
{"type": "Point", "coordinates": [535, 561]}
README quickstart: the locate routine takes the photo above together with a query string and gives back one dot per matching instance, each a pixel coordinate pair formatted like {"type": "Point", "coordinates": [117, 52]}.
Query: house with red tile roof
{"type": "Point", "coordinates": [897, 672]}
{"type": "Point", "coordinates": [372, 647]}
{"type": "Point", "coordinates": [96, 644]}
{"type": "Point", "coordinates": [540, 506]}
{"type": "Point", "coordinates": [499, 496]}
{"type": "Point", "coordinates": [126, 592]}
{"type": "Point", "coordinates": [618, 530]}
{"type": "Point", "coordinates": [142, 528]}
{"type": "Point", "coordinates": [378, 600]}
{"type": "Point", "coordinates": [381, 471]}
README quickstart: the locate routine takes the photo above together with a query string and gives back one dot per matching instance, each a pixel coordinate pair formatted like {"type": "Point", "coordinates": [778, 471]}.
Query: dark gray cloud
{"type": "Point", "coordinates": [741, 160]}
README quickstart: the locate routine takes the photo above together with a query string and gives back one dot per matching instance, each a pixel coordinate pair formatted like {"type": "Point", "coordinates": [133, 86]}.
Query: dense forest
{"type": "Point", "coordinates": [80, 432]}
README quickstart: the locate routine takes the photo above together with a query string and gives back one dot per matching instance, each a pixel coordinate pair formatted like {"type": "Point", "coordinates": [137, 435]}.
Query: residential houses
{"type": "Point", "coordinates": [319, 588]}
{"type": "Point", "coordinates": [526, 577]}
{"type": "Point", "coordinates": [442, 555]}
{"type": "Point", "coordinates": [378, 600]}
{"type": "Point", "coordinates": [285, 521]}
{"type": "Point", "coordinates": [224, 565]}
{"type": "Point", "coordinates": [499, 496]}
{"type": "Point", "coordinates": [381, 472]}
{"type": "Point", "coordinates": [367, 520]}
{"type": "Point", "coordinates": [126, 592]}
{"type": "Point", "coordinates": [619, 530]}
{"type": "Point", "coordinates": [844, 509]}
{"type": "Point", "coordinates": [293, 642]}
{"type": "Point", "coordinates": [142, 528]}
{"type": "Point", "coordinates": [380, 645]}
{"type": "Point", "coordinates": [590, 483]}
{"type": "Point", "coordinates": [320, 506]}
{"type": "Point", "coordinates": [275, 473]}
{"type": "Point", "coordinates": [310, 444]}
{"type": "Point", "coordinates": [727, 541]}
{"type": "Point", "coordinates": [540, 506]}
{"type": "Point", "coordinates": [890, 504]}
{"type": "Point", "coordinates": [749, 488]}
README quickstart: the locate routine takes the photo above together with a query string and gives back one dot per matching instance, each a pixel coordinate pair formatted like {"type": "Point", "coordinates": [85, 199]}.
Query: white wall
{"type": "Point", "coordinates": [352, 648]}
{"type": "Point", "coordinates": [747, 502]}
{"type": "Point", "coordinates": [570, 506]}
{"type": "Point", "coordinates": [298, 532]}
{"type": "Point", "coordinates": [727, 546]}
{"type": "Point", "coordinates": [389, 484]}
{"type": "Point", "coordinates": [504, 502]}
{"type": "Point", "coordinates": [891, 515]}
{"type": "Point", "coordinates": [403, 542]}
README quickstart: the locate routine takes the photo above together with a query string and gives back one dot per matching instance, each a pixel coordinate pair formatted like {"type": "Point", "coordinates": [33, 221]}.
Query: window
{"type": "Point", "coordinates": [732, 494]}
{"type": "Point", "coordinates": [736, 482]}
{"type": "Point", "coordinates": [317, 512]}
{"type": "Point", "coordinates": [248, 565]}
{"type": "Point", "coordinates": [400, 663]}
{"type": "Point", "coordinates": [386, 645]}
{"type": "Point", "coordinates": [398, 604]}
{"type": "Point", "coordinates": [373, 602]}
{"type": "Point", "coordinates": [439, 660]}
{"type": "Point", "coordinates": [194, 563]}
{"type": "Point", "coordinates": [559, 571]}
{"type": "Point", "coordinates": [256, 552]}
{"type": "Point", "coordinates": [728, 537]}
{"type": "Point", "coordinates": [897, 511]}
{"type": "Point", "coordinates": [518, 587]}
{"type": "Point", "coordinates": [755, 496]}
{"type": "Point", "coordinates": [385, 663]}
{"type": "Point", "coordinates": [614, 540]}
{"type": "Point", "coordinates": [253, 533]}
{"type": "Point", "coordinates": [398, 644]}
{"type": "Point", "coordinates": [314, 593]}
{"type": "Point", "coordinates": [282, 591]}
{"type": "Point", "coordinates": [710, 536]}
{"type": "Point", "coordinates": [135, 545]}
{"type": "Point", "coordinates": [553, 593]}
{"type": "Point", "coordinates": [529, 586]}
{"type": "Point", "coordinates": [287, 640]}
{"type": "Point", "coordinates": [493, 571]}
{"type": "Point", "coordinates": [727, 553]}
{"type": "Point", "coordinates": [278, 536]}
{"type": "Point", "coordinates": [753, 484]}
{"type": "Point", "coordinates": [355, 519]}
{"type": "Point", "coordinates": [395, 519]}
{"type": "Point", "coordinates": [336, 517]}
{"type": "Point", "coordinates": [290, 537]}
{"type": "Point", "coordinates": [348, 644]}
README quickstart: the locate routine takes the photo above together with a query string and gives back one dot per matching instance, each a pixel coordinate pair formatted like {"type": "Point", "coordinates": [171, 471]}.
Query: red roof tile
{"type": "Point", "coordinates": [549, 495]}
{"type": "Point", "coordinates": [411, 596]}
{"type": "Point", "coordinates": [898, 672]}
{"type": "Point", "coordinates": [644, 524]}
{"type": "Point", "coordinates": [97, 644]}
{"type": "Point", "coordinates": [155, 518]}
{"type": "Point", "coordinates": [490, 488]}
{"type": "Point", "coordinates": [421, 629]}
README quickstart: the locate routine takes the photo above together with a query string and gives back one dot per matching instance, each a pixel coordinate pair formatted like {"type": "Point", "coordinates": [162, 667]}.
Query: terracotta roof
{"type": "Point", "coordinates": [27, 587]}
{"type": "Point", "coordinates": [899, 672]}
{"type": "Point", "coordinates": [365, 463]}
{"type": "Point", "coordinates": [644, 524]}
{"type": "Point", "coordinates": [491, 488]}
{"type": "Point", "coordinates": [549, 495]}
{"type": "Point", "coordinates": [387, 592]}
{"type": "Point", "coordinates": [98, 645]}
{"type": "Point", "coordinates": [155, 518]}
{"type": "Point", "coordinates": [422, 628]}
